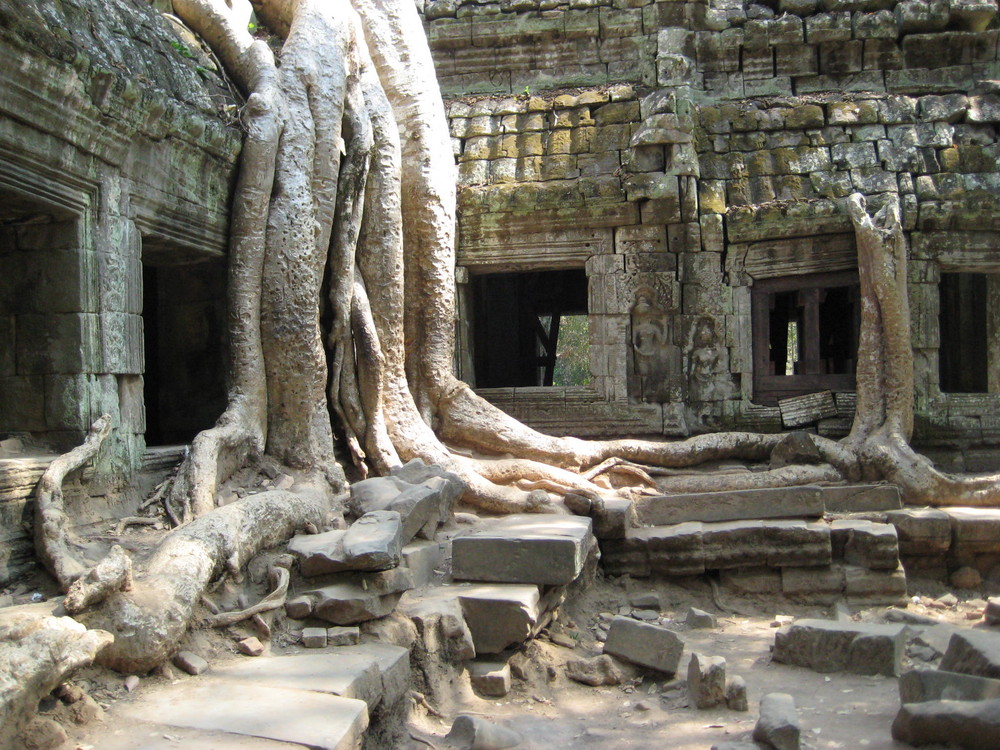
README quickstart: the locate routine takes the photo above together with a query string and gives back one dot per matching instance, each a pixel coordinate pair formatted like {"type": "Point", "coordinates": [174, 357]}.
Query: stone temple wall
{"type": "Point", "coordinates": [117, 157]}
{"type": "Point", "coordinates": [693, 159]}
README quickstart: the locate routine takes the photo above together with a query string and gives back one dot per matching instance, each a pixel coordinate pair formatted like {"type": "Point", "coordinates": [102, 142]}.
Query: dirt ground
{"type": "Point", "coordinates": [647, 712]}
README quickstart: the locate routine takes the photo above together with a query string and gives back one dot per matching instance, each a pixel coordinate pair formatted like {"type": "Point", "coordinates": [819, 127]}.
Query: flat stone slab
{"type": "Point", "coordinates": [833, 646]}
{"type": "Point", "coordinates": [349, 604]}
{"type": "Point", "coordinates": [644, 644]}
{"type": "Point", "coordinates": [921, 685]}
{"type": "Point", "coordinates": [975, 652]}
{"type": "Point", "coordinates": [672, 550]}
{"type": "Point", "coordinates": [416, 504]}
{"type": "Point", "coordinates": [975, 529]}
{"type": "Point", "coordinates": [360, 672]}
{"type": "Point", "coordinates": [317, 720]}
{"type": "Point", "coordinates": [780, 502]}
{"type": "Point", "coordinates": [772, 543]}
{"type": "Point", "coordinates": [539, 549]}
{"type": "Point", "coordinates": [141, 735]}
{"type": "Point", "coordinates": [372, 543]}
{"type": "Point", "coordinates": [865, 543]}
{"type": "Point", "coordinates": [921, 531]}
{"type": "Point", "coordinates": [861, 498]}
{"type": "Point", "coordinates": [971, 725]}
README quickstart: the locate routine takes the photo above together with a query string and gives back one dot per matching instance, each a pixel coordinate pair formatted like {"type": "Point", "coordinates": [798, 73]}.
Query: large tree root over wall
{"type": "Point", "coordinates": [342, 302]}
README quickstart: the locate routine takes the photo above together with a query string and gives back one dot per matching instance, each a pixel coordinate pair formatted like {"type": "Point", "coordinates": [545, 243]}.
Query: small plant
{"type": "Point", "coordinates": [527, 91]}
{"type": "Point", "coordinates": [182, 48]}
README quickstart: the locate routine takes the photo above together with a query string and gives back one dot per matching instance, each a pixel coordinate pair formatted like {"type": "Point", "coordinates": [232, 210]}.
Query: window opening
{"type": "Point", "coordinates": [531, 329]}
{"type": "Point", "coordinates": [805, 334]}
{"type": "Point", "coordinates": [963, 357]}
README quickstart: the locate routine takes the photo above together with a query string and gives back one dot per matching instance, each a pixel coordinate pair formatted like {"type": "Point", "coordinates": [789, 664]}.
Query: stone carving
{"type": "Point", "coordinates": [657, 358]}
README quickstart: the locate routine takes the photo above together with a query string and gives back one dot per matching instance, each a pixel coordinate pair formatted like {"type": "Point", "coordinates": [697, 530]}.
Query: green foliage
{"type": "Point", "coordinates": [182, 48]}
{"type": "Point", "coordinates": [572, 352]}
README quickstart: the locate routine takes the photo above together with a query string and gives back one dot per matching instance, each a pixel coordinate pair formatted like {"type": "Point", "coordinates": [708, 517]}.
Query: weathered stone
{"type": "Point", "coordinates": [706, 680]}
{"type": "Point", "coordinates": [314, 637]}
{"type": "Point", "coordinates": [870, 545]}
{"type": "Point", "coordinates": [920, 685]}
{"type": "Point", "coordinates": [342, 636]}
{"type": "Point", "coordinates": [975, 652]}
{"type": "Point", "coordinates": [736, 694]}
{"type": "Point", "coordinates": [966, 578]}
{"type": "Point", "coordinates": [190, 662]}
{"type": "Point", "coordinates": [697, 618]}
{"type": "Point", "coordinates": [250, 646]}
{"type": "Point", "coordinates": [795, 448]}
{"type": "Point", "coordinates": [756, 580]}
{"type": "Point", "coordinates": [348, 604]}
{"type": "Point", "coordinates": [831, 646]}
{"type": "Point", "coordinates": [865, 586]}
{"type": "Point", "coordinates": [490, 677]}
{"type": "Point", "coordinates": [474, 733]}
{"type": "Point", "coordinates": [540, 549]}
{"type": "Point", "coordinates": [671, 550]}
{"type": "Point", "coordinates": [319, 553]}
{"type": "Point", "coordinates": [778, 724]}
{"type": "Point", "coordinates": [861, 498]}
{"type": "Point", "coordinates": [771, 543]}
{"type": "Point", "coordinates": [972, 725]}
{"type": "Point", "coordinates": [921, 531]}
{"type": "Point", "coordinates": [991, 613]}
{"type": "Point", "coordinates": [374, 541]}
{"type": "Point", "coordinates": [600, 670]}
{"type": "Point", "coordinates": [421, 559]}
{"type": "Point", "coordinates": [644, 644]}
{"type": "Point", "coordinates": [975, 530]}
{"type": "Point", "coordinates": [781, 502]}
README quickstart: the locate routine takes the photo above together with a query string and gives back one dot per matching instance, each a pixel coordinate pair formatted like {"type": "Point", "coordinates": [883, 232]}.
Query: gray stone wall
{"type": "Point", "coordinates": [717, 158]}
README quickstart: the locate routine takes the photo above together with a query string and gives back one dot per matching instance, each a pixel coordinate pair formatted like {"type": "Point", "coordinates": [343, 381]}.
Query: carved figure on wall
{"type": "Point", "coordinates": [657, 359]}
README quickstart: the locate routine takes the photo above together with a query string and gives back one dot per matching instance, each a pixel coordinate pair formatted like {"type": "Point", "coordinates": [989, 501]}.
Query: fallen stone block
{"type": "Point", "coordinates": [347, 604]}
{"type": "Point", "coordinates": [698, 618]}
{"type": "Point", "coordinates": [539, 549]}
{"type": "Point", "coordinates": [861, 498]}
{"type": "Point", "coordinates": [991, 612]}
{"type": "Point", "coordinates": [864, 543]}
{"type": "Point", "coordinates": [706, 680]}
{"type": "Point", "coordinates": [314, 637]}
{"type": "Point", "coordinates": [490, 677]}
{"type": "Point", "coordinates": [374, 541]}
{"type": "Point", "coordinates": [779, 502]}
{"type": "Point", "coordinates": [500, 615]}
{"type": "Point", "coordinates": [449, 486]}
{"type": "Point", "coordinates": [778, 724]}
{"type": "Point", "coordinates": [475, 733]}
{"type": "Point", "coordinates": [975, 652]}
{"type": "Point", "coordinates": [833, 646]}
{"type": "Point", "coordinates": [422, 558]}
{"type": "Point", "coordinates": [921, 532]}
{"type": "Point", "coordinates": [921, 685]}
{"type": "Point", "coordinates": [190, 662]}
{"type": "Point", "coordinates": [796, 447]}
{"type": "Point", "coordinates": [672, 550]}
{"type": "Point", "coordinates": [613, 518]}
{"type": "Point", "coordinates": [595, 672]}
{"type": "Point", "coordinates": [736, 694]}
{"type": "Point", "coordinates": [343, 635]}
{"type": "Point", "coordinates": [644, 644]}
{"type": "Point", "coordinates": [971, 725]}
{"type": "Point", "coordinates": [319, 553]}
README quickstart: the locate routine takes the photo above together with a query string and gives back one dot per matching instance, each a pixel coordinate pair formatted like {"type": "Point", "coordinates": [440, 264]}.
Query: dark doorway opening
{"type": "Point", "coordinates": [530, 329]}
{"type": "Point", "coordinates": [805, 334]}
{"type": "Point", "coordinates": [964, 354]}
{"type": "Point", "coordinates": [184, 325]}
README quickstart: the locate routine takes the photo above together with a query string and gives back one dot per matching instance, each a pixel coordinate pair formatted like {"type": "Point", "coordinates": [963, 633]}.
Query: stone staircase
{"type": "Point", "coordinates": [772, 541]}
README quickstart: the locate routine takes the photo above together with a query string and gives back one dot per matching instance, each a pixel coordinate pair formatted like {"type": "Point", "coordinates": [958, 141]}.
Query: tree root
{"type": "Point", "coordinates": [275, 600]}
{"type": "Point", "coordinates": [113, 573]}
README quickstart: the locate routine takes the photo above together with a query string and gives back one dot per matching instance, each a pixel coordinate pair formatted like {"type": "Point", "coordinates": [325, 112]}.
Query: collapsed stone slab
{"type": "Point", "coordinates": [779, 502]}
{"type": "Point", "coordinates": [539, 549]}
{"type": "Point", "coordinates": [975, 652]}
{"type": "Point", "coordinates": [971, 725]}
{"type": "Point", "coordinates": [644, 644]}
{"type": "Point", "coordinates": [373, 542]}
{"type": "Point", "coordinates": [778, 724]}
{"type": "Point", "coordinates": [921, 685]}
{"type": "Point", "coordinates": [832, 646]}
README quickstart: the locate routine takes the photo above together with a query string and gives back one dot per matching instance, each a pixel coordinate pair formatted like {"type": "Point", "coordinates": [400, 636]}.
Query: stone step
{"type": "Point", "coordinates": [498, 615]}
{"type": "Point", "coordinates": [373, 672]}
{"type": "Point", "coordinates": [779, 502]}
{"type": "Point", "coordinates": [303, 717]}
{"type": "Point", "coordinates": [538, 549]}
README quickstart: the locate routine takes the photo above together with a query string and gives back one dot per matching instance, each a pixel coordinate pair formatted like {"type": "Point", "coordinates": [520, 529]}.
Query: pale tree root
{"type": "Point", "coordinates": [149, 621]}
{"type": "Point", "coordinates": [60, 550]}
{"type": "Point", "coordinates": [280, 578]}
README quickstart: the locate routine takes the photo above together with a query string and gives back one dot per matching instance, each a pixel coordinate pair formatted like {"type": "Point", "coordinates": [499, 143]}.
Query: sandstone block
{"type": "Point", "coordinates": [499, 615]}
{"type": "Point", "coordinates": [595, 672]}
{"type": "Point", "coordinates": [343, 636]}
{"type": "Point", "coordinates": [672, 550]}
{"type": "Point", "coordinates": [190, 662]}
{"type": "Point", "coordinates": [421, 558]}
{"type": "Point", "coordinates": [861, 498]}
{"type": "Point", "coordinates": [975, 530]}
{"type": "Point", "coordinates": [821, 585]}
{"type": "Point", "coordinates": [348, 604]}
{"type": "Point", "coordinates": [540, 549]}
{"type": "Point", "coordinates": [490, 677]}
{"type": "Point", "coordinates": [991, 613]}
{"type": "Point", "coordinates": [314, 637]}
{"type": "Point", "coordinates": [644, 644]}
{"type": "Point", "coordinates": [972, 725]}
{"type": "Point", "coordinates": [697, 618]}
{"type": "Point", "coordinates": [781, 502]}
{"type": "Point", "coordinates": [864, 543]}
{"type": "Point", "coordinates": [778, 724]}
{"type": "Point", "coordinates": [706, 680]}
{"type": "Point", "coordinates": [921, 531]}
{"type": "Point", "coordinates": [862, 585]}
{"type": "Point", "coordinates": [736, 694]}
{"type": "Point", "coordinates": [921, 685]}
{"type": "Point", "coordinates": [975, 652]}
{"type": "Point", "coordinates": [831, 646]}
{"type": "Point", "coordinates": [374, 541]}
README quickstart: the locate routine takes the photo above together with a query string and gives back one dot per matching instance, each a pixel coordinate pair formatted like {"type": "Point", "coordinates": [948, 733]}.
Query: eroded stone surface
{"type": "Point", "coordinates": [644, 644]}
{"type": "Point", "coordinates": [833, 646]}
